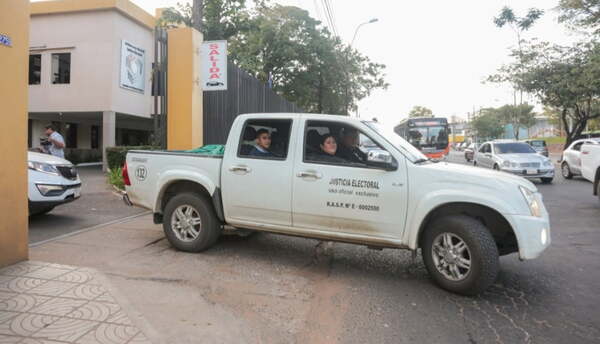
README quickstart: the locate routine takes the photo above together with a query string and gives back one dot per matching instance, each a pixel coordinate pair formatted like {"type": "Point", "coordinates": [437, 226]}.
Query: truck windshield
{"type": "Point", "coordinates": [412, 153]}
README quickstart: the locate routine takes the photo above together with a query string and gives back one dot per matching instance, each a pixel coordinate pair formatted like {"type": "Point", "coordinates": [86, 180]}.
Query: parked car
{"type": "Point", "coordinates": [392, 196]}
{"type": "Point", "coordinates": [515, 157]}
{"type": "Point", "coordinates": [470, 151]}
{"type": "Point", "coordinates": [52, 181]}
{"type": "Point", "coordinates": [590, 165]}
{"type": "Point", "coordinates": [571, 157]}
{"type": "Point", "coordinates": [539, 145]}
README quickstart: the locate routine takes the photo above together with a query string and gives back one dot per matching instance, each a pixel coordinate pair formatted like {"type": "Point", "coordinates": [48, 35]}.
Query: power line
{"type": "Point", "coordinates": [318, 11]}
{"type": "Point", "coordinates": [329, 15]}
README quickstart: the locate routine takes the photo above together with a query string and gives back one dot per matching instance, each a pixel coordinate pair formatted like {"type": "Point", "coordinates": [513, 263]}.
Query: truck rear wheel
{"type": "Point", "coordinates": [190, 223]}
{"type": "Point", "coordinates": [460, 254]}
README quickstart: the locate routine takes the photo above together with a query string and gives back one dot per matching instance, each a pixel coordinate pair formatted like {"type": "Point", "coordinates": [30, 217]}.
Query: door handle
{"type": "Point", "coordinates": [240, 168]}
{"type": "Point", "coordinates": [309, 174]}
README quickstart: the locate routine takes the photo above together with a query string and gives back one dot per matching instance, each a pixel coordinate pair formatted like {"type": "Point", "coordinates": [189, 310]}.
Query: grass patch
{"type": "Point", "coordinates": [554, 140]}
{"type": "Point", "coordinates": [115, 177]}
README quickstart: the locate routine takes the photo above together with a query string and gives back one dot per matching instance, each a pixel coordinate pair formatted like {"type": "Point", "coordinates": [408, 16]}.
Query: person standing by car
{"type": "Point", "coordinates": [57, 142]}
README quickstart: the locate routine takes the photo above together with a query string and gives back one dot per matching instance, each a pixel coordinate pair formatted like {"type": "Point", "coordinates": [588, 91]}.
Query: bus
{"type": "Point", "coordinates": [428, 134]}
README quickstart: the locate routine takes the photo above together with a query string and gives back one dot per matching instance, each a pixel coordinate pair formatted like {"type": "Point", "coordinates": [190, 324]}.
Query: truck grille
{"type": "Point", "coordinates": [530, 164]}
{"type": "Point", "coordinates": [68, 172]}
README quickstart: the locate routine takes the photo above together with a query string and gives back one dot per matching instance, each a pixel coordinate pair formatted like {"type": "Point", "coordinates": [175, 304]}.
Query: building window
{"type": "Point", "coordinates": [61, 68]}
{"type": "Point", "coordinates": [95, 137]}
{"type": "Point", "coordinates": [71, 135]}
{"type": "Point", "coordinates": [35, 69]}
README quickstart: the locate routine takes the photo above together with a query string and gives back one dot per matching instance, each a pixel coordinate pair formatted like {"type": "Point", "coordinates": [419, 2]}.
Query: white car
{"type": "Point", "coordinates": [571, 157]}
{"type": "Point", "coordinates": [392, 196]}
{"type": "Point", "coordinates": [52, 181]}
{"type": "Point", "coordinates": [515, 157]}
{"type": "Point", "coordinates": [590, 165]}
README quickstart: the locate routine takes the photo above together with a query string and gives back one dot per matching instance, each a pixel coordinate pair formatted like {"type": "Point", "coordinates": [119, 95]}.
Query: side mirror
{"type": "Point", "coordinates": [381, 159]}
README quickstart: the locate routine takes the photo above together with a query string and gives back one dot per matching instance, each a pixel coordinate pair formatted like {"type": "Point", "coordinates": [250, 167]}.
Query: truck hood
{"type": "Point", "coordinates": [488, 178]}
{"type": "Point", "coordinates": [47, 159]}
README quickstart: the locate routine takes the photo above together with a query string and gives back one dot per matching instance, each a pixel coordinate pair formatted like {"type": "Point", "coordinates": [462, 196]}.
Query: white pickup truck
{"type": "Point", "coordinates": [590, 165]}
{"type": "Point", "coordinates": [341, 179]}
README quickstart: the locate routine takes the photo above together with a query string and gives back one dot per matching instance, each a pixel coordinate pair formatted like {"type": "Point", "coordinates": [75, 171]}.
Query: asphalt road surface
{"type": "Point", "coordinates": [98, 204]}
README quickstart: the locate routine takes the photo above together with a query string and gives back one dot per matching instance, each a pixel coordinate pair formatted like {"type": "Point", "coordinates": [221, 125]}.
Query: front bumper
{"type": "Point", "coordinates": [539, 173]}
{"type": "Point", "coordinates": [533, 234]}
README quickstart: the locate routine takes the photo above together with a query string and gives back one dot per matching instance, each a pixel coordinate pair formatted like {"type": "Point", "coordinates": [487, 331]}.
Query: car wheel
{"type": "Point", "coordinates": [42, 211]}
{"type": "Point", "coordinates": [496, 167]}
{"type": "Point", "coordinates": [474, 163]}
{"type": "Point", "coordinates": [190, 223]}
{"type": "Point", "coordinates": [566, 171]}
{"type": "Point", "coordinates": [460, 255]}
{"type": "Point", "coordinates": [547, 180]}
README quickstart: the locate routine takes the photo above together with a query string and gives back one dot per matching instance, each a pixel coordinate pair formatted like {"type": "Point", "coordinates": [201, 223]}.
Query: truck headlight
{"type": "Point", "coordinates": [532, 201]}
{"type": "Point", "coordinates": [42, 167]}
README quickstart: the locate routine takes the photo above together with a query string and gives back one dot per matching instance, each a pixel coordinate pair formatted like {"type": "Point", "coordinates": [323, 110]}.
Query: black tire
{"type": "Point", "coordinates": [566, 170]}
{"type": "Point", "coordinates": [209, 228]}
{"type": "Point", "coordinates": [496, 167]}
{"type": "Point", "coordinates": [474, 163]}
{"type": "Point", "coordinates": [546, 180]}
{"type": "Point", "coordinates": [482, 250]}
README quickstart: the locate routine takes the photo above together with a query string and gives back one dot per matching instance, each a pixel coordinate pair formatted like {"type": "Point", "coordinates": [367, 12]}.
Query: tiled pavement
{"type": "Point", "coordinates": [50, 304]}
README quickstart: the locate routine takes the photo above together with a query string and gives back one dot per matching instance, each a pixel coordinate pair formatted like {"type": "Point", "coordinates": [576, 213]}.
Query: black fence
{"type": "Point", "coordinates": [244, 94]}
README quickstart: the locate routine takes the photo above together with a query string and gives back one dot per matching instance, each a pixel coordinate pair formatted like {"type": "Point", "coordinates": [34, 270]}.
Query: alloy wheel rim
{"type": "Point", "coordinates": [186, 223]}
{"type": "Point", "coordinates": [565, 170]}
{"type": "Point", "coordinates": [451, 256]}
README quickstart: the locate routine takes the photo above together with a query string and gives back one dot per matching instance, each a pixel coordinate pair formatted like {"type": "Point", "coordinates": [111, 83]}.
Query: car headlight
{"type": "Point", "coordinates": [548, 163]}
{"type": "Point", "coordinates": [506, 163]}
{"type": "Point", "coordinates": [514, 164]}
{"type": "Point", "coordinates": [532, 201]}
{"type": "Point", "coordinates": [42, 167]}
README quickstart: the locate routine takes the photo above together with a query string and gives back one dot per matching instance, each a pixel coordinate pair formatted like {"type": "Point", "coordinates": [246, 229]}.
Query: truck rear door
{"type": "Point", "coordinates": [255, 179]}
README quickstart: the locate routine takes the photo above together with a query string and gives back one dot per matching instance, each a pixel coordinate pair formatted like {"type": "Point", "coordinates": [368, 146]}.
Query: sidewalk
{"type": "Point", "coordinates": [162, 290]}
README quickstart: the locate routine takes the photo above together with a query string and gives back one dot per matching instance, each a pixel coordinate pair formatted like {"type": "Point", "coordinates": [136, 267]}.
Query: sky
{"type": "Point", "coordinates": [437, 53]}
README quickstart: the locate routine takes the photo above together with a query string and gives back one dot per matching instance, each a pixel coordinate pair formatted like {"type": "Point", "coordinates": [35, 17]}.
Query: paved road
{"type": "Point", "coordinates": [276, 289]}
{"type": "Point", "coordinates": [98, 204]}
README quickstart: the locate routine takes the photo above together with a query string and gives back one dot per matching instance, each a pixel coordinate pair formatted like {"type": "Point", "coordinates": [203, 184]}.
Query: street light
{"type": "Point", "coordinates": [348, 58]}
{"type": "Point", "coordinates": [358, 27]}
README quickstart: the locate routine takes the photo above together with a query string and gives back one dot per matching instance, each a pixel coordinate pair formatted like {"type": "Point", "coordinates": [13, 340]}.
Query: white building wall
{"type": "Point", "coordinates": [94, 41]}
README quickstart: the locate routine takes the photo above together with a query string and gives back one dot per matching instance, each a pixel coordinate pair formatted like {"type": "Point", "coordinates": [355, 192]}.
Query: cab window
{"type": "Point", "coordinates": [265, 139]}
{"type": "Point", "coordinates": [337, 143]}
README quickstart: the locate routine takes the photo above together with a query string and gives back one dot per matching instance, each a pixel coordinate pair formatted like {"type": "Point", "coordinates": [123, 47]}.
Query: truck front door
{"type": "Point", "coordinates": [256, 173]}
{"type": "Point", "coordinates": [339, 192]}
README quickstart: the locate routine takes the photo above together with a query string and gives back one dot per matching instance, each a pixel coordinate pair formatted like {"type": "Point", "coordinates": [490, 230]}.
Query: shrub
{"type": "Point", "coordinates": [115, 156]}
{"type": "Point", "coordinates": [80, 155]}
{"type": "Point", "coordinates": [115, 177]}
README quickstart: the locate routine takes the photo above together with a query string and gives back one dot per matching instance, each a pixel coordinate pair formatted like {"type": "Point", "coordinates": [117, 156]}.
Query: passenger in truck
{"type": "Point", "coordinates": [262, 144]}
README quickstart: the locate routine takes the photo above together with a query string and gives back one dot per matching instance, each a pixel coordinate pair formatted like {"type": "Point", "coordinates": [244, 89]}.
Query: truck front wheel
{"type": "Point", "coordinates": [190, 223]}
{"type": "Point", "coordinates": [460, 254]}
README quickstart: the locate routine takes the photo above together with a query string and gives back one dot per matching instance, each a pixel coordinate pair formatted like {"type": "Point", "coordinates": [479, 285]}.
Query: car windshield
{"type": "Point", "coordinates": [398, 142]}
{"type": "Point", "coordinates": [537, 143]}
{"type": "Point", "coordinates": [514, 147]}
{"type": "Point", "coordinates": [428, 136]}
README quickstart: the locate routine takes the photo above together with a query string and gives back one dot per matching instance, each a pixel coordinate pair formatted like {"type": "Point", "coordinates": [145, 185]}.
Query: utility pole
{"type": "Point", "coordinates": [197, 8]}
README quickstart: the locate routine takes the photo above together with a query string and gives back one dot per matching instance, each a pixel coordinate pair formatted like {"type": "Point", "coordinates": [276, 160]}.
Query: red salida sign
{"type": "Point", "coordinates": [214, 65]}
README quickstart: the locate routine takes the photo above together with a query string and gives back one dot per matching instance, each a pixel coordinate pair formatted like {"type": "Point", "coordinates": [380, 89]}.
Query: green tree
{"type": "Point", "coordinates": [518, 116]}
{"type": "Point", "coordinates": [307, 65]}
{"type": "Point", "coordinates": [488, 124]}
{"type": "Point", "coordinates": [566, 78]}
{"type": "Point", "coordinates": [580, 14]}
{"type": "Point", "coordinates": [420, 111]}
{"type": "Point", "coordinates": [518, 25]}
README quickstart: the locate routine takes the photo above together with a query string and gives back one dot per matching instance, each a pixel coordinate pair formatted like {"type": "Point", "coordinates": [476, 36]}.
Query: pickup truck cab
{"type": "Point", "coordinates": [590, 165]}
{"type": "Point", "coordinates": [376, 189]}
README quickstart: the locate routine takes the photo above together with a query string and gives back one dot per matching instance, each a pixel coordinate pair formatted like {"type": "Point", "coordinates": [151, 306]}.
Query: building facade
{"type": "Point", "coordinates": [90, 67]}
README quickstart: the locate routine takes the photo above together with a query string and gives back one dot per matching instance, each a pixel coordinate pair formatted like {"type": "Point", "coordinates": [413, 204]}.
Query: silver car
{"type": "Point", "coordinates": [516, 158]}
{"type": "Point", "coordinates": [571, 157]}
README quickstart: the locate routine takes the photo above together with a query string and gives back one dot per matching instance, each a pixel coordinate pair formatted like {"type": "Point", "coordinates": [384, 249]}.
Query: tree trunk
{"type": "Point", "coordinates": [320, 105]}
{"type": "Point", "coordinates": [197, 15]}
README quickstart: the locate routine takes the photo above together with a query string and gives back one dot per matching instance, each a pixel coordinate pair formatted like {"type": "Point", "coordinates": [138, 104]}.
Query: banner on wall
{"type": "Point", "coordinates": [132, 67]}
{"type": "Point", "coordinates": [214, 65]}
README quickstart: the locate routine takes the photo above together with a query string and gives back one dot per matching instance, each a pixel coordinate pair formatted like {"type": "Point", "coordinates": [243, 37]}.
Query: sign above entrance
{"type": "Point", "coordinates": [132, 67]}
{"type": "Point", "coordinates": [214, 65]}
